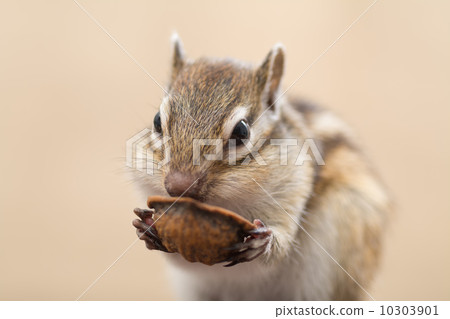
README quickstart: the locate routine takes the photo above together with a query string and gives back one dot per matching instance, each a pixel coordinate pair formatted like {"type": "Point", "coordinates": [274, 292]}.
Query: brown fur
{"type": "Point", "coordinates": [342, 204]}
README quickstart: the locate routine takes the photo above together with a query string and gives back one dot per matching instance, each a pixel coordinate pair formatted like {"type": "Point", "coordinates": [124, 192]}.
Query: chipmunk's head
{"type": "Point", "coordinates": [215, 110]}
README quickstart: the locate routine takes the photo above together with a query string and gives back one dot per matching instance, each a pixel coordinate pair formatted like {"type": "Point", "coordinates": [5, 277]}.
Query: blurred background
{"type": "Point", "coordinates": [70, 98]}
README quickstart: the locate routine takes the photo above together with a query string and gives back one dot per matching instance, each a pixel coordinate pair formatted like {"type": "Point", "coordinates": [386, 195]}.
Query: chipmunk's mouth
{"type": "Point", "coordinates": [200, 198]}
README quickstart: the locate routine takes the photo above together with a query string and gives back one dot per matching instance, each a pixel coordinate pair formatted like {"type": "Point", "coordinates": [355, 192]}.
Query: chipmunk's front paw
{"type": "Point", "coordinates": [146, 231]}
{"type": "Point", "coordinates": [255, 245]}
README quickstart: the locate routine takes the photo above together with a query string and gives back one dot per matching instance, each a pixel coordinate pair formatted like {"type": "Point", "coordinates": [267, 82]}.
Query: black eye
{"type": "Point", "coordinates": [157, 123]}
{"type": "Point", "coordinates": [240, 132]}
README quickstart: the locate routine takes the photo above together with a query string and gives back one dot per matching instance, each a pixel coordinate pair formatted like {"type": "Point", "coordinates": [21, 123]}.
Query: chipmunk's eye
{"type": "Point", "coordinates": [240, 132]}
{"type": "Point", "coordinates": [157, 123]}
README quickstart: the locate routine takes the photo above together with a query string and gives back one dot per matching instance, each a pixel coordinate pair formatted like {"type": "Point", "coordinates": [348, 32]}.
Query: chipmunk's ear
{"type": "Point", "coordinates": [178, 58]}
{"type": "Point", "coordinates": [269, 76]}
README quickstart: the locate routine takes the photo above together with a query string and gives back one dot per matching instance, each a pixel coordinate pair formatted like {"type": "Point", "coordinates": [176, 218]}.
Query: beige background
{"type": "Point", "coordinates": [70, 98]}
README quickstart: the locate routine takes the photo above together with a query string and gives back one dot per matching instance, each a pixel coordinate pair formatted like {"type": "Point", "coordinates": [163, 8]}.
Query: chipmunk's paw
{"type": "Point", "coordinates": [146, 231]}
{"type": "Point", "coordinates": [254, 245]}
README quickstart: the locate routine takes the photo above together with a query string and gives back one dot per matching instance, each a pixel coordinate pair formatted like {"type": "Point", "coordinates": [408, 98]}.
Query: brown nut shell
{"type": "Point", "coordinates": [199, 232]}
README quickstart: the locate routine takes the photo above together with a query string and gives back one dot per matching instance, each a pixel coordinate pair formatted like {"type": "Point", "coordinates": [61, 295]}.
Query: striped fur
{"type": "Point", "coordinates": [342, 204]}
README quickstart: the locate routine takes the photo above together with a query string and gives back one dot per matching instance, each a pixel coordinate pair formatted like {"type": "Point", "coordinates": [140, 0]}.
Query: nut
{"type": "Point", "coordinates": [199, 232]}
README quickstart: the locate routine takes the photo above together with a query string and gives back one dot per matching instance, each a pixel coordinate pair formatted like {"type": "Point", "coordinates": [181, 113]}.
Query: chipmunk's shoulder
{"type": "Point", "coordinates": [327, 128]}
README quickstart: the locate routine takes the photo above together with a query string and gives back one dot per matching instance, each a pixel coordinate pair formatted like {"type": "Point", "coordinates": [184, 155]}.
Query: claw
{"type": "Point", "coordinates": [237, 247]}
{"type": "Point", "coordinates": [145, 230]}
{"type": "Point", "coordinates": [231, 264]}
{"type": "Point", "coordinates": [253, 246]}
{"type": "Point", "coordinates": [246, 256]}
{"type": "Point", "coordinates": [143, 213]}
{"type": "Point", "coordinates": [151, 242]}
{"type": "Point", "coordinates": [260, 231]}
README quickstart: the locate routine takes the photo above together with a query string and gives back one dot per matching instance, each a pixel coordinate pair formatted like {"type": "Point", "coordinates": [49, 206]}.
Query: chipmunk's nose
{"type": "Point", "coordinates": [182, 184]}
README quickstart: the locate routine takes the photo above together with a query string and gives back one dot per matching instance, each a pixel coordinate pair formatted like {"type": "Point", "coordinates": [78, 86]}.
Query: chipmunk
{"type": "Point", "coordinates": [320, 227]}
